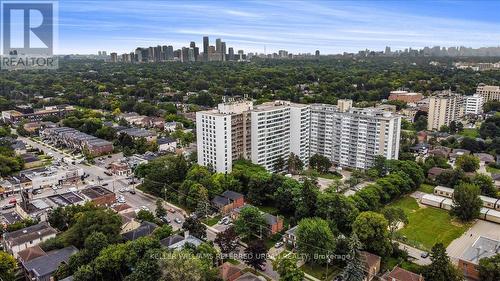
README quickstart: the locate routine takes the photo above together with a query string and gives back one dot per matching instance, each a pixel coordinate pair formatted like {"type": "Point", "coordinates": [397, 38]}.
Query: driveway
{"type": "Point", "coordinates": [415, 254]}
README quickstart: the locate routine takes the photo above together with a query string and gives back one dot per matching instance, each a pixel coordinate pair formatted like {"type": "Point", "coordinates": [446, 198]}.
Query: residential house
{"type": "Point", "coordinates": [167, 144]}
{"type": "Point", "coordinates": [290, 238]}
{"type": "Point", "coordinates": [372, 265]}
{"type": "Point", "coordinates": [249, 276]}
{"type": "Point", "coordinates": [435, 172]}
{"type": "Point", "coordinates": [172, 126]}
{"type": "Point", "coordinates": [458, 152]}
{"type": "Point", "coordinates": [485, 158]}
{"type": "Point", "coordinates": [30, 253]}
{"type": "Point", "coordinates": [145, 229]}
{"type": "Point", "coordinates": [228, 201]}
{"type": "Point", "coordinates": [16, 241]}
{"type": "Point", "coordinates": [129, 222]}
{"type": "Point", "coordinates": [399, 274]}
{"type": "Point", "coordinates": [42, 268]}
{"type": "Point", "coordinates": [422, 136]}
{"type": "Point", "coordinates": [229, 272]}
{"type": "Point", "coordinates": [440, 151]}
{"type": "Point", "coordinates": [483, 247]}
{"type": "Point", "coordinates": [137, 133]}
{"type": "Point", "coordinates": [176, 244]}
{"type": "Point", "coordinates": [154, 122]}
{"type": "Point", "coordinates": [171, 240]}
{"type": "Point", "coordinates": [274, 223]}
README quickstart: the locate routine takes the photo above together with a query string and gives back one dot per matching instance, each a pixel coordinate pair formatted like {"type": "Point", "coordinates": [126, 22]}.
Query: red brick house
{"type": "Point", "coordinates": [228, 201]}
{"type": "Point", "coordinates": [399, 274]}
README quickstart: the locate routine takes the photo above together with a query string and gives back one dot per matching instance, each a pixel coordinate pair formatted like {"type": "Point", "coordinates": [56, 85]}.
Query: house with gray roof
{"type": "Point", "coordinates": [145, 229]}
{"type": "Point", "coordinates": [16, 241]}
{"type": "Point", "coordinates": [42, 268]}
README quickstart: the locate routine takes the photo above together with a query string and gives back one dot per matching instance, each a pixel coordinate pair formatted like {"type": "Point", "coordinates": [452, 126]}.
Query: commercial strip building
{"type": "Point", "coordinates": [75, 139]}
{"type": "Point", "coordinates": [349, 137]}
{"type": "Point", "coordinates": [14, 116]}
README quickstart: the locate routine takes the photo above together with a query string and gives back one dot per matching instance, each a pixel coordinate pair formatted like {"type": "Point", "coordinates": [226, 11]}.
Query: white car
{"type": "Point", "coordinates": [278, 244]}
{"type": "Point", "coordinates": [144, 208]}
{"type": "Point", "coordinates": [177, 220]}
{"type": "Point", "coordinates": [121, 200]}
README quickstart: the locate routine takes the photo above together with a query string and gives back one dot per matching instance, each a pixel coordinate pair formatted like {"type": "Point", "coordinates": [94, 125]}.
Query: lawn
{"type": "Point", "coordinates": [319, 271]}
{"type": "Point", "coordinates": [391, 262]}
{"type": "Point", "coordinates": [427, 225]}
{"type": "Point", "coordinates": [212, 221]}
{"type": "Point", "coordinates": [426, 188]}
{"type": "Point", "coordinates": [492, 170]}
{"type": "Point", "coordinates": [471, 133]}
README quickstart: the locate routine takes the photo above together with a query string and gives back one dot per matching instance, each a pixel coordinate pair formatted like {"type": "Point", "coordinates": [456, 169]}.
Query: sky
{"type": "Point", "coordinates": [86, 26]}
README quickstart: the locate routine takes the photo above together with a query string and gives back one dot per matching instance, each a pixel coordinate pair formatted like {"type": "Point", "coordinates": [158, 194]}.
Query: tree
{"type": "Point", "coordinates": [315, 240]}
{"type": "Point", "coordinates": [279, 164]}
{"type": "Point", "coordinates": [255, 254]}
{"type": "Point", "coordinates": [441, 268]}
{"type": "Point", "coordinates": [95, 242]}
{"type": "Point", "coordinates": [466, 202]}
{"type": "Point", "coordinates": [182, 266]}
{"type": "Point", "coordinates": [468, 163]}
{"type": "Point", "coordinates": [195, 227]}
{"type": "Point", "coordinates": [163, 231]}
{"type": "Point", "coordinates": [486, 185]}
{"type": "Point", "coordinates": [88, 222]}
{"type": "Point", "coordinates": [250, 222]}
{"type": "Point", "coordinates": [394, 216]}
{"type": "Point", "coordinates": [8, 267]}
{"type": "Point", "coordinates": [144, 215]}
{"type": "Point", "coordinates": [371, 229]}
{"type": "Point", "coordinates": [489, 268]}
{"type": "Point", "coordinates": [227, 240]}
{"type": "Point", "coordinates": [294, 164]}
{"type": "Point", "coordinates": [160, 210]}
{"type": "Point", "coordinates": [308, 199]}
{"type": "Point", "coordinates": [287, 268]}
{"type": "Point", "coordinates": [320, 163]}
{"type": "Point", "coordinates": [338, 210]}
{"type": "Point", "coordinates": [354, 270]}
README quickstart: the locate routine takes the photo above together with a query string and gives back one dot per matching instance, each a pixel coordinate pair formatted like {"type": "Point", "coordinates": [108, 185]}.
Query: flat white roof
{"type": "Point", "coordinates": [444, 188]}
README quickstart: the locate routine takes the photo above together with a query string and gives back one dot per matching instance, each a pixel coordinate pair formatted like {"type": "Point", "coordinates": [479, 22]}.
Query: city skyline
{"type": "Point", "coordinates": [299, 27]}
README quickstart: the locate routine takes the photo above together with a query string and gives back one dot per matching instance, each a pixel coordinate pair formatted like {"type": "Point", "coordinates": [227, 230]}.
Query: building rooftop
{"type": "Point", "coordinates": [483, 247]}
{"type": "Point", "coordinates": [165, 140]}
{"type": "Point", "coordinates": [145, 229]}
{"type": "Point", "coordinates": [29, 233]}
{"type": "Point", "coordinates": [65, 199]}
{"type": "Point", "coordinates": [171, 240]}
{"type": "Point", "coordinates": [233, 195]}
{"type": "Point", "coordinates": [45, 265]}
{"type": "Point", "coordinates": [94, 192]}
{"type": "Point", "coordinates": [138, 132]}
{"type": "Point", "coordinates": [31, 253]}
{"type": "Point", "coordinates": [399, 274]}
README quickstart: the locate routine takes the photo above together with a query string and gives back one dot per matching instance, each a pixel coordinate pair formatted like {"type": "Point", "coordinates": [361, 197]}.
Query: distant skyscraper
{"type": "Point", "coordinates": [192, 44]}
{"type": "Point", "coordinates": [196, 54]}
{"type": "Point", "coordinates": [387, 50]}
{"type": "Point", "coordinates": [170, 52]}
{"type": "Point", "coordinates": [184, 54]}
{"type": "Point", "coordinates": [205, 48]}
{"type": "Point", "coordinates": [114, 57]}
{"type": "Point", "coordinates": [231, 53]}
{"type": "Point", "coordinates": [316, 53]}
{"type": "Point", "coordinates": [240, 54]}
{"type": "Point", "coordinates": [218, 45]}
{"type": "Point", "coordinates": [223, 51]}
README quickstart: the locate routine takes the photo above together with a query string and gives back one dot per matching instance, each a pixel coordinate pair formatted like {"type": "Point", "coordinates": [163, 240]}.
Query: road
{"type": "Point", "coordinates": [415, 254]}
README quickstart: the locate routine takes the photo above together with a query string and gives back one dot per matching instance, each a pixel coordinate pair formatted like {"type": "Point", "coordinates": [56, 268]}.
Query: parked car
{"type": "Point", "coordinates": [131, 191]}
{"type": "Point", "coordinates": [165, 219]}
{"type": "Point", "coordinates": [171, 210]}
{"type": "Point", "coordinates": [424, 255]}
{"type": "Point", "coordinates": [105, 184]}
{"type": "Point", "coordinates": [278, 244]}
{"type": "Point", "coordinates": [8, 206]}
{"type": "Point", "coordinates": [144, 208]}
{"type": "Point", "coordinates": [177, 220]}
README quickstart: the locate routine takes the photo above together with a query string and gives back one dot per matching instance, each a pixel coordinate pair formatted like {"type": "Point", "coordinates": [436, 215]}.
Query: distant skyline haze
{"type": "Point", "coordinates": [87, 26]}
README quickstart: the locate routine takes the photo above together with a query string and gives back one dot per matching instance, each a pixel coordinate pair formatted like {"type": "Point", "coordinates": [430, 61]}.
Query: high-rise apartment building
{"type": "Point", "coordinates": [231, 54]}
{"type": "Point", "coordinates": [349, 137]}
{"type": "Point", "coordinates": [444, 107]}
{"type": "Point", "coordinates": [489, 93]}
{"type": "Point", "coordinates": [474, 104]}
{"type": "Point", "coordinates": [114, 57]}
{"type": "Point", "coordinates": [353, 137]}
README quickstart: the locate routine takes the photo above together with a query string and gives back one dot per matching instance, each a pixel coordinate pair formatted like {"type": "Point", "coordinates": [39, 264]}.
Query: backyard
{"type": "Point", "coordinates": [427, 225]}
{"type": "Point", "coordinates": [471, 133]}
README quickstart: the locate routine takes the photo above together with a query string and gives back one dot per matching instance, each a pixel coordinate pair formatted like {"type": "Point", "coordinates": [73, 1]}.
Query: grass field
{"type": "Point", "coordinates": [426, 188]}
{"type": "Point", "coordinates": [492, 170]}
{"type": "Point", "coordinates": [319, 271]}
{"type": "Point", "coordinates": [212, 221]}
{"type": "Point", "coordinates": [428, 226]}
{"type": "Point", "coordinates": [471, 133]}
